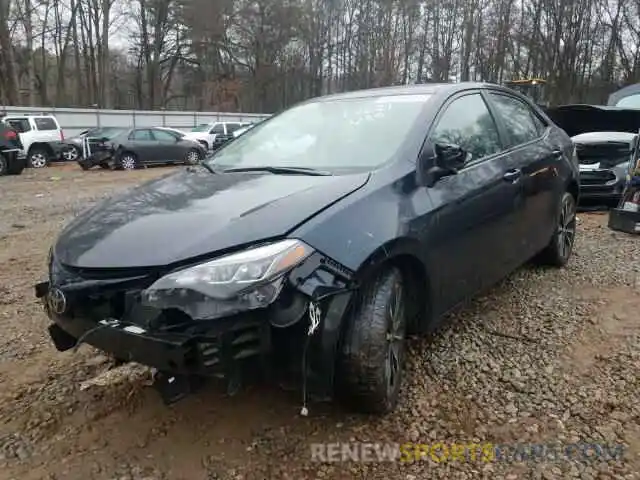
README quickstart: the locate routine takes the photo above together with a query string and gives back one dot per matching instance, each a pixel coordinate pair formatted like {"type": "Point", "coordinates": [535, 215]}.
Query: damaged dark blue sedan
{"type": "Point", "coordinates": [310, 247]}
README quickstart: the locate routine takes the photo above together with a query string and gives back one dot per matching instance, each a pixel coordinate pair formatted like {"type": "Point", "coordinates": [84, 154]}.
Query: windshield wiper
{"type": "Point", "coordinates": [280, 170]}
{"type": "Point", "coordinates": [208, 167]}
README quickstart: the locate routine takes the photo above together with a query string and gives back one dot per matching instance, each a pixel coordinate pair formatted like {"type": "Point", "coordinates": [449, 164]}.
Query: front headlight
{"type": "Point", "coordinates": [241, 281]}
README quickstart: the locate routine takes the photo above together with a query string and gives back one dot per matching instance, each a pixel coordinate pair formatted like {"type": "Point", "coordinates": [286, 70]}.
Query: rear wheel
{"type": "Point", "coordinates": [373, 351]}
{"type": "Point", "coordinates": [71, 153]}
{"type": "Point", "coordinates": [38, 157]}
{"type": "Point", "coordinates": [4, 165]}
{"type": "Point", "coordinates": [560, 247]}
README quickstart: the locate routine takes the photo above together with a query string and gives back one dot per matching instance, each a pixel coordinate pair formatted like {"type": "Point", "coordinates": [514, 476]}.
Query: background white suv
{"type": "Point", "coordinates": [213, 135]}
{"type": "Point", "coordinates": [41, 137]}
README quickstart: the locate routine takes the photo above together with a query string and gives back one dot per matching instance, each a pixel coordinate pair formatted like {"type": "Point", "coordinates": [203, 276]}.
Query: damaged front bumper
{"type": "Point", "coordinates": [109, 314]}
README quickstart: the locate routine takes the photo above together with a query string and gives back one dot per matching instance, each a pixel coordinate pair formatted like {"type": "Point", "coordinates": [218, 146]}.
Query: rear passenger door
{"type": "Point", "coordinates": [536, 159]}
{"type": "Point", "coordinates": [475, 208]}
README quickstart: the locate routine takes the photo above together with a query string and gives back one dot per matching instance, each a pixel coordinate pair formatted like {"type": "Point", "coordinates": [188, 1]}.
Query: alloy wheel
{"type": "Point", "coordinates": [128, 162]}
{"type": "Point", "coordinates": [193, 157]}
{"type": "Point", "coordinates": [395, 337]}
{"type": "Point", "coordinates": [567, 226]}
{"type": "Point", "coordinates": [70, 154]}
{"type": "Point", "coordinates": [38, 160]}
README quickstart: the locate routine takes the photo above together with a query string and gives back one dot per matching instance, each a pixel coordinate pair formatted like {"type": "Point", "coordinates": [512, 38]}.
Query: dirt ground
{"type": "Point", "coordinates": [545, 356]}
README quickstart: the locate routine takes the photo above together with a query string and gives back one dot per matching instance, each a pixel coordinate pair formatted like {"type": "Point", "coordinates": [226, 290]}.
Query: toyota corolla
{"type": "Point", "coordinates": [312, 245]}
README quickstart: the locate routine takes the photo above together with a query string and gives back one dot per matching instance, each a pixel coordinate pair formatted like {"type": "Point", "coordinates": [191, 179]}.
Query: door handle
{"type": "Point", "coordinates": [557, 154]}
{"type": "Point", "coordinates": [512, 175]}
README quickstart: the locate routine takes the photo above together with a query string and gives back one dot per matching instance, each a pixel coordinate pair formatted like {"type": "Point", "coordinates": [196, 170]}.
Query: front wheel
{"type": "Point", "coordinates": [193, 157]}
{"type": "Point", "coordinates": [128, 161]}
{"type": "Point", "coordinates": [374, 346]}
{"type": "Point", "coordinates": [560, 247]}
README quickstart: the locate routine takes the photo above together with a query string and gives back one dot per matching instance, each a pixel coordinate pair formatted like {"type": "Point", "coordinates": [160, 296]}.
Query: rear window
{"type": "Point", "coordinates": [20, 125]}
{"type": "Point", "coordinates": [45, 123]}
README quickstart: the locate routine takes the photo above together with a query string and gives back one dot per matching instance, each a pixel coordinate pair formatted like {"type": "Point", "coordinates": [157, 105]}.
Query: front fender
{"type": "Point", "coordinates": [354, 236]}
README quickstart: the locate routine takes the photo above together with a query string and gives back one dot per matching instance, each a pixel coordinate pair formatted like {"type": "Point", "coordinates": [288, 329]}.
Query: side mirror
{"type": "Point", "coordinates": [440, 160]}
{"type": "Point", "coordinates": [450, 157]}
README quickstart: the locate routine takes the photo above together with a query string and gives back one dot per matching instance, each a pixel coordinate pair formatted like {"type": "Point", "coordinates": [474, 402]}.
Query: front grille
{"type": "Point", "coordinates": [109, 273]}
{"type": "Point", "coordinates": [596, 177]}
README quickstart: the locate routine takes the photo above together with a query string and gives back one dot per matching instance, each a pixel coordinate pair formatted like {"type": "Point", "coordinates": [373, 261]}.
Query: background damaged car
{"type": "Point", "coordinates": [310, 253]}
{"type": "Point", "coordinates": [605, 138]}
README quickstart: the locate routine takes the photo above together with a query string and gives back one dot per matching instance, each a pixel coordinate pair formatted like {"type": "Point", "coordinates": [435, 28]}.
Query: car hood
{"type": "Point", "coordinates": [193, 213]}
{"type": "Point", "coordinates": [580, 119]}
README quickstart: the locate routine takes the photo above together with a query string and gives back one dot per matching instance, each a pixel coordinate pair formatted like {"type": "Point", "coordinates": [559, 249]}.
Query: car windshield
{"type": "Point", "coordinates": [201, 128]}
{"type": "Point", "coordinates": [341, 134]}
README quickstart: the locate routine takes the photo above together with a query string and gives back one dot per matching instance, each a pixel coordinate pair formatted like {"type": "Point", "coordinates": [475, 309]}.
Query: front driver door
{"type": "Point", "coordinates": [474, 209]}
{"type": "Point", "coordinates": [168, 146]}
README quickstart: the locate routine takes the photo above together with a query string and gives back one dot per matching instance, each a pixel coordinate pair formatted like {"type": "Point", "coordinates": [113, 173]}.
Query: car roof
{"type": "Point", "coordinates": [423, 88]}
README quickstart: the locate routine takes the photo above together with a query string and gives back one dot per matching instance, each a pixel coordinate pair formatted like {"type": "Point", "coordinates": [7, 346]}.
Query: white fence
{"type": "Point", "coordinates": [75, 120]}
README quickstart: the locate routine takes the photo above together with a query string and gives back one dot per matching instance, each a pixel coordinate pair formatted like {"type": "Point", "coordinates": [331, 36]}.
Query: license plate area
{"type": "Point", "coordinates": [132, 343]}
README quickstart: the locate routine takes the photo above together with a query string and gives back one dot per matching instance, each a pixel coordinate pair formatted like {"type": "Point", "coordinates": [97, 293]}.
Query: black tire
{"type": "Point", "coordinates": [373, 350]}
{"type": "Point", "coordinates": [17, 166]}
{"type": "Point", "coordinates": [558, 252]}
{"type": "Point", "coordinates": [193, 157]}
{"type": "Point", "coordinates": [128, 161]}
{"type": "Point", "coordinates": [38, 157]}
{"type": "Point", "coordinates": [10, 164]}
{"type": "Point", "coordinates": [4, 165]}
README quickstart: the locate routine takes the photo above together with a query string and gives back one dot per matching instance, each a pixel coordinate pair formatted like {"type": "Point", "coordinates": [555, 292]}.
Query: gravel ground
{"type": "Point", "coordinates": [546, 356]}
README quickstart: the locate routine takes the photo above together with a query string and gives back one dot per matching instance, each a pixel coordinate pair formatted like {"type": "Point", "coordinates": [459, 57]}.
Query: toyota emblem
{"type": "Point", "coordinates": [57, 301]}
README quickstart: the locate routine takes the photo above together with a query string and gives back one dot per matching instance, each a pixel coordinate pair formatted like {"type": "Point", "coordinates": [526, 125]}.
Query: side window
{"type": "Point", "coordinates": [20, 125]}
{"type": "Point", "coordinates": [232, 127]}
{"type": "Point", "coordinates": [468, 123]}
{"type": "Point", "coordinates": [517, 118]}
{"type": "Point", "coordinates": [45, 123]}
{"type": "Point", "coordinates": [141, 135]}
{"type": "Point", "coordinates": [163, 136]}
{"type": "Point", "coordinates": [218, 128]}
{"type": "Point", "coordinates": [541, 126]}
